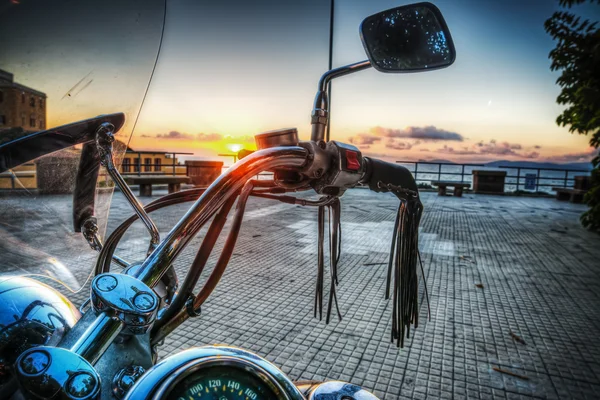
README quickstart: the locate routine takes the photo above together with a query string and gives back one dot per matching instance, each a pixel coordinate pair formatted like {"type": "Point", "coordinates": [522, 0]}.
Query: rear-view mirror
{"type": "Point", "coordinates": [408, 39]}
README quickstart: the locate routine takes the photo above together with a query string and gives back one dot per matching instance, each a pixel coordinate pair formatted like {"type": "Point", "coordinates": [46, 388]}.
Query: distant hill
{"type": "Point", "coordinates": [587, 166]}
{"type": "Point", "coordinates": [532, 164]}
{"type": "Point", "coordinates": [438, 161]}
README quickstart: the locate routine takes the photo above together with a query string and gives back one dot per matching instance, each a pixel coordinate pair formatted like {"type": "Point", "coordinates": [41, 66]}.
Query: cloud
{"type": "Point", "coordinates": [491, 148]}
{"type": "Point", "coordinates": [502, 149]}
{"type": "Point", "coordinates": [398, 145]}
{"type": "Point", "coordinates": [414, 132]}
{"type": "Point", "coordinates": [208, 137]}
{"type": "Point", "coordinates": [364, 138]}
{"type": "Point", "coordinates": [537, 147]}
{"type": "Point", "coordinates": [176, 135]}
{"type": "Point", "coordinates": [531, 155]}
{"type": "Point", "coordinates": [247, 138]}
{"type": "Point", "coordinates": [416, 136]}
{"type": "Point", "coordinates": [585, 156]}
{"type": "Point", "coordinates": [451, 150]}
{"type": "Point", "coordinates": [512, 146]}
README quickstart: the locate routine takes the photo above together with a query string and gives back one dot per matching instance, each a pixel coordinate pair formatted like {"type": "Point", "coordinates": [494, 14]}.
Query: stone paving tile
{"type": "Point", "coordinates": [540, 278]}
{"type": "Point", "coordinates": [540, 281]}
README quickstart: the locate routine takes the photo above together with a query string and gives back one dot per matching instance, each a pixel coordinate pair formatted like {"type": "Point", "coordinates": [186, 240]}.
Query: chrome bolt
{"type": "Point", "coordinates": [35, 362]}
{"type": "Point", "coordinates": [125, 379]}
{"type": "Point", "coordinates": [106, 283]}
{"type": "Point", "coordinates": [106, 130]}
{"type": "Point", "coordinates": [143, 301]}
{"type": "Point", "coordinates": [81, 384]}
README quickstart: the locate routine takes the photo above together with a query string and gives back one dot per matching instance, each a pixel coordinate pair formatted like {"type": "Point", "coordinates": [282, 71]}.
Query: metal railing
{"type": "Point", "coordinates": [438, 170]}
{"type": "Point", "coordinates": [14, 177]}
{"type": "Point", "coordinates": [423, 171]}
{"type": "Point", "coordinates": [517, 178]}
{"type": "Point", "coordinates": [556, 177]}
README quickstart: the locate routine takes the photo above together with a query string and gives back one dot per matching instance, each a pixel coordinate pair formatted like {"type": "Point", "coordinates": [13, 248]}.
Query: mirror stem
{"type": "Point", "coordinates": [330, 66]}
{"type": "Point", "coordinates": [320, 113]}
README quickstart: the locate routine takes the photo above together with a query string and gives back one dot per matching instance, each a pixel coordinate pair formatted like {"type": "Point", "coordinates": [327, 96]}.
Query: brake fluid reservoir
{"type": "Point", "coordinates": [277, 138]}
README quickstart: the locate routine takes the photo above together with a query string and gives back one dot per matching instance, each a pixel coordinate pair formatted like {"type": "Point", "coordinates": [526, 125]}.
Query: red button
{"type": "Point", "coordinates": [352, 162]}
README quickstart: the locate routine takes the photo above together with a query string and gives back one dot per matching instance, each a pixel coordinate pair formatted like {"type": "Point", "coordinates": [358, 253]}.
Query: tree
{"type": "Point", "coordinates": [577, 56]}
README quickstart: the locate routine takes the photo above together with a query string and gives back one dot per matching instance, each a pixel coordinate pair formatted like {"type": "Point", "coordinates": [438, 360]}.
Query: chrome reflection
{"type": "Point", "coordinates": [31, 314]}
{"type": "Point", "coordinates": [340, 390]}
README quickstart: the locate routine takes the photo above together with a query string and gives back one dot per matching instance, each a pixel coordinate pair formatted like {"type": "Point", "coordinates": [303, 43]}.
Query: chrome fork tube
{"type": "Point", "coordinates": [97, 337]}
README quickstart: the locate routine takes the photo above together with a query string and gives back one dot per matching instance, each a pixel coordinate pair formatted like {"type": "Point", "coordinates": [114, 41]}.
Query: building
{"type": "Point", "coordinates": [134, 163]}
{"type": "Point", "coordinates": [21, 106]}
{"type": "Point", "coordinates": [23, 110]}
{"type": "Point", "coordinates": [150, 163]}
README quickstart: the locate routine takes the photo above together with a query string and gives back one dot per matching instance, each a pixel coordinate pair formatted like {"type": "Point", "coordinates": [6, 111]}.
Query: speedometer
{"type": "Point", "coordinates": [214, 372]}
{"type": "Point", "coordinates": [222, 383]}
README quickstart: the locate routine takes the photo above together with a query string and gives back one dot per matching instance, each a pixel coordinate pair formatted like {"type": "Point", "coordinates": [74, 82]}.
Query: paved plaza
{"type": "Point", "coordinates": [514, 285]}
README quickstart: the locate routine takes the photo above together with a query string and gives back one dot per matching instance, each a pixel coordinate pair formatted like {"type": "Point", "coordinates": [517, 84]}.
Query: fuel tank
{"type": "Point", "coordinates": [31, 314]}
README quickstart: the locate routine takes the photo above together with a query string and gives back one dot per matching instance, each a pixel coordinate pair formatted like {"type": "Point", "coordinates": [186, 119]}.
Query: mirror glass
{"type": "Point", "coordinates": [409, 38]}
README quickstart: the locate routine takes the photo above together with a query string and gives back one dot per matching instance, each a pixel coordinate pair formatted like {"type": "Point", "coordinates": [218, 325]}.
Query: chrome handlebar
{"type": "Point", "coordinates": [209, 203]}
{"type": "Point", "coordinates": [100, 334]}
{"type": "Point", "coordinates": [126, 303]}
{"type": "Point", "coordinates": [336, 173]}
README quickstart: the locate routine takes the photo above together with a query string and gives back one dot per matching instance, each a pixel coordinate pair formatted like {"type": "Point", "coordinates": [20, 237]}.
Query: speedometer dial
{"type": "Point", "coordinates": [222, 383]}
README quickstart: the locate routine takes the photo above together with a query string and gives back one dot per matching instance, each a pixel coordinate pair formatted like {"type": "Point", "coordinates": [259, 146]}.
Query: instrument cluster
{"type": "Point", "coordinates": [230, 373]}
{"type": "Point", "coordinates": [215, 372]}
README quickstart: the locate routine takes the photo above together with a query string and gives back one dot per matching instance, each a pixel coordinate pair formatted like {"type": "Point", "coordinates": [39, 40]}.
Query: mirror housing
{"type": "Point", "coordinates": [408, 39]}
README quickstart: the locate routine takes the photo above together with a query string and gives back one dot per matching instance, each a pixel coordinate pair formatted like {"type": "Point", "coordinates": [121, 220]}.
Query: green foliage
{"type": "Point", "coordinates": [591, 218]}
{"type": "Point", "coordinates": [577, 56]}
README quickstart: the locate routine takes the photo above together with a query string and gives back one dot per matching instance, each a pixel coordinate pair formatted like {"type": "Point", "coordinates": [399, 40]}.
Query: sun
{"type": "Point", "coordinates": [235, 147]}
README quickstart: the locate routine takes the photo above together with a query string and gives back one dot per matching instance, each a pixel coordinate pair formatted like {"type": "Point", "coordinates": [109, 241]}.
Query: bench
{"type": "Point", "coordinates": [146, 182]}
{"type": "Point", "coordinates": [458, 187]}
{"type": "Point", "coordinates": [572, 195]}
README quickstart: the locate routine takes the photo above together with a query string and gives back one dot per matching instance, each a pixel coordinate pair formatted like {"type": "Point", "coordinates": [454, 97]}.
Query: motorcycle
{"type": "Point", "coordinates": [50, 349]}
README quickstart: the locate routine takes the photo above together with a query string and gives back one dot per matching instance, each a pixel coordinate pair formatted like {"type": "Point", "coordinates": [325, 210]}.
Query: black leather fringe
{"type": "Point", "coordinates": [402, 266]}
{"type": "Point", "coordinates": [335, 232]}
{"type": "Point", "coordinates": [402, 270]}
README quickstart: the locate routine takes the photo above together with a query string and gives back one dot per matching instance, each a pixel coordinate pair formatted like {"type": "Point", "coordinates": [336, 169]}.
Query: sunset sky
{"type": "Point", "coordinates": [231, 69]}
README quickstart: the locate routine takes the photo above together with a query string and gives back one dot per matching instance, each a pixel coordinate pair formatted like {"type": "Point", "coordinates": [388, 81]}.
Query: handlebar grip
{"type": "Point", "coordinates": [387, 173]}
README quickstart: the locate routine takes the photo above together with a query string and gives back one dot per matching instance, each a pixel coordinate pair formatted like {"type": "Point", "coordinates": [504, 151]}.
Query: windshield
{"type": "Point", "coordinates": [60, 65]}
